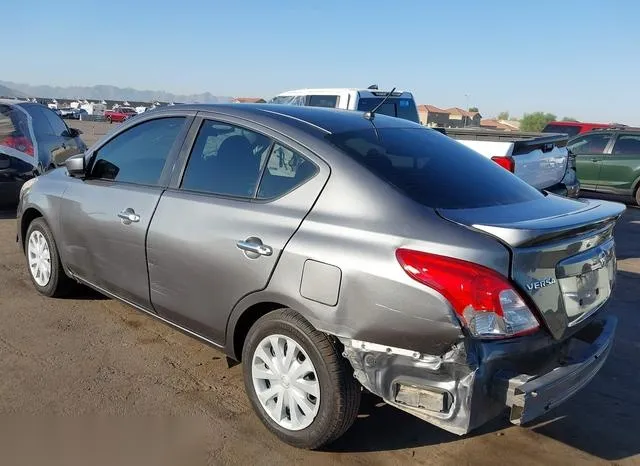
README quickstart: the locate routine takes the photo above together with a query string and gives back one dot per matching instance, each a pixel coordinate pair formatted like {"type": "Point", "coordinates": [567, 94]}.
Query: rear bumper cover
{"type": "Point", "coordinates": [475, 382]}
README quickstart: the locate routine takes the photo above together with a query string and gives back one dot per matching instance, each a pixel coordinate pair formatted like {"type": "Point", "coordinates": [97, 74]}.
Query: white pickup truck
{"type": "Point", "coordinates": [542, 160]}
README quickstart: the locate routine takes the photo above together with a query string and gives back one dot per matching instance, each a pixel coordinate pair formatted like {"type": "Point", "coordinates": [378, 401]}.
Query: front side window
{"type": "Point", "coordinates": [285, 171]}
{"type": "Point", "coordinates": [627, 144]}
{"type": "Point", "coordinates": [433, 169]}
{"type": "Point", "coordinates": [226, 160]}
{"type": "Point", "coordinates": [139, 154]}
{"type": "Point", "coordinates": [330, 101]}
{"type": "Point", "coordinates": [594, 143]}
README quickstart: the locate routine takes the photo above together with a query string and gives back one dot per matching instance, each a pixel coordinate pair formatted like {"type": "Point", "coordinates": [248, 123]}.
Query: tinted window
{"type": "Point", "coordinates": [330, 101]}
{"type": "Point", "coordinates": [59, 128]}
{"type": "Point", "coordinates": [41, 125]}
{"type": "Point", "coordinates": [139, 154]}
{"type": "Point", "coordinates": [285, 171]}
{"type": "Point", "coordinates": [401, 108]}
{"type": "Point", "coordinates": [433, 169]}
{"type": "Point", "coordinates": [226, 160]}
{"type": "Point", "coordinates": [627, 144]}
{"type": "Point", "coordinates": [565, 129]}
{"type": "Point", "coordinates": [593, 143]}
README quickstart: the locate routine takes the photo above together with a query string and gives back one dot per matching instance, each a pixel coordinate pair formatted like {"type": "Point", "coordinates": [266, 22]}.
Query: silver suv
{"type": "Point", "coordinates": [331, 251]}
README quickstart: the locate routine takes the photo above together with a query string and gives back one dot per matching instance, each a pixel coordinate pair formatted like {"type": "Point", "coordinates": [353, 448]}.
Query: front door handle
{"type": "Point", "coordinates": [253, 247]}
{"type": "Point", "coordinates": [128, 216]}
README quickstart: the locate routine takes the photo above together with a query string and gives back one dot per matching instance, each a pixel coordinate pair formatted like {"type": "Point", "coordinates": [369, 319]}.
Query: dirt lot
{"type": "Point", "coordinates": [93, 358]}
{"type": "Point", "coordinates": [92, 130]}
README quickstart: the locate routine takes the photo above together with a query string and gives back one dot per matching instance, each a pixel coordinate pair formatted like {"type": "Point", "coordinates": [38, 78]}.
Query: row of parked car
{"type": "Point", "coordinates": [335, 251]}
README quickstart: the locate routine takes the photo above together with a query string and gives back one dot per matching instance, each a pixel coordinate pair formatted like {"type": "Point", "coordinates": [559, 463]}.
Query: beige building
{"type": "Point", "coordinates": [430, 115]}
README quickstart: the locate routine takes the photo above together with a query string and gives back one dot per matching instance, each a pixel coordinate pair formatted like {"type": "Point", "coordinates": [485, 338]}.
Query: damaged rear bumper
{"type": "Point", "coordinates": [476, 381]}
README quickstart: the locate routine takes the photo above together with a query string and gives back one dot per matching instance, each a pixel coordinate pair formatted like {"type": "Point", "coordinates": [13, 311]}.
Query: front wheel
{"type": "Point", "coordinates": [43, 261]}
{"type": "Point", "coordinates": [299, 384]}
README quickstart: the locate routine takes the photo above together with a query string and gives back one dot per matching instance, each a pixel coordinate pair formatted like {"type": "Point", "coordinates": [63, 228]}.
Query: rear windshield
{"type": "Point", "coordinates": [14, 129]}
{"type": "Point", "coordinates": [433, 169]}
{"type": "Point", "coordinates": [571, 130]}
{"type": "Point", "coordinates": [401, 108]}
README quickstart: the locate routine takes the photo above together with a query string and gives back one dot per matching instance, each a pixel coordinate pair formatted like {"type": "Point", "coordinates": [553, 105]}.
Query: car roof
{"type": "Point", "coordinates": [335, 90]}
{"type": "Point", "coordinates": [309, 119]}
{"type": "Point", "coordinates": [579, 123]}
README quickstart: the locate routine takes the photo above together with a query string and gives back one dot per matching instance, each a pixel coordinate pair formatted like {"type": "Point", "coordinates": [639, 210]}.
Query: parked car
{"type": "Point", "coordinates": [327, 251]}
{"type": "Point", "coordinates": [33, 139]}
{"type": "Point", "coordinates": [573, 128]}
{"type": "Point", "coordinates": [71, 113]}
{"type": "Point", "coordinates": [542, 160]}
{"type": "Point", "coordinates": [120, 114]}
{"type": "Point", "coordinates": [400, 104]}
{"type": "Point", "coordinates": [608, 162]}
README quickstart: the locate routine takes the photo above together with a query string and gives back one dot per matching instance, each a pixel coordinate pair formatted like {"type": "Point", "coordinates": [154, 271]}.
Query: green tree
{"type": "Point", "coordinates": [569, 119]}
{"type": "Point", "coordinates": [536, 121]}
{"type": "Point", "coordinates": [473, 109]}
{"type": "Point", "coordinates": [503, 116]}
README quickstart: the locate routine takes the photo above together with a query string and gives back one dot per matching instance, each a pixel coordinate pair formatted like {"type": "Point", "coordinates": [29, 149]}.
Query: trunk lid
{"type": "Point", "coordinates": [563, 253]}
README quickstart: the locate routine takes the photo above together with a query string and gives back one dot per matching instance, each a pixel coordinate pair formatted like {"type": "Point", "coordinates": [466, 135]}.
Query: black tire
{"type": "Point", "coordinates": [59, 283]}
{"type": "Point", "coordinates": [339, 391]}
{"type": "Point", "coordinates": [638, 196]}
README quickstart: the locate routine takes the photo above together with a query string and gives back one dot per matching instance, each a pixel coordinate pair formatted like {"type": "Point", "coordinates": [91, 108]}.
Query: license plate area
{"type": "Point", "coordinates": [586, 281]}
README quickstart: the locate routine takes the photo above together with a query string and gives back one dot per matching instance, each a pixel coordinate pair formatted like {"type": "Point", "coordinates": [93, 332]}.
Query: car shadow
{"type": "Point", "coordinates": [601, 420]}
{"type": "Point", "coordinates": [7, 214]}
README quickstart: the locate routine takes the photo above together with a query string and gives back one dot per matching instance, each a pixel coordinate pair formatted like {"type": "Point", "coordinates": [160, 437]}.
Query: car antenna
{"type": "Point", "coordinates": [371, 114]}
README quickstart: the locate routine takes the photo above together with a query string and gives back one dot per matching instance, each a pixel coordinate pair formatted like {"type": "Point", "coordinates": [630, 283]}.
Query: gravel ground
{"type": "Point", "coordinates": [93, 358]}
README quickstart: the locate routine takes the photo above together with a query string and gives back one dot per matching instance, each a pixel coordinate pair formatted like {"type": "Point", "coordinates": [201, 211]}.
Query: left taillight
{"type": "Point", "coordinates": [485, 302]}
{"type": "Point", "coordinates": [19, 143]}
{"type": "Point", "coordinates": [505, 162]}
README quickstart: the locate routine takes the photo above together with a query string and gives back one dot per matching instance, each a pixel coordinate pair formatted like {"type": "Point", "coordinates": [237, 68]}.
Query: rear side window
{"type": "Point", "coordinates": [593, 143]}
{"type": "Point", "coordinates": [570, 130]}
{"type": "Point", "coordinates": [285, 171]}
{"type": "Point", "coordinates": [433, 169]}
{"type": "Point", "coordinates": [226, 160]}
{"type": "Point", "coordinates": [330, 101]}
{"type": "Point", "coordinates": [395, 107]}
{"type": "Point", "coordinates": [139, 154]}
{"type": "Point", "coordinates": [627, 144]}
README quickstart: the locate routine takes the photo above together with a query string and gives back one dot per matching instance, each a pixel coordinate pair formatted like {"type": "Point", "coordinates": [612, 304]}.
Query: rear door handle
{"type": "Point", "coordinates": [128, 216]}
{"type": "Point", "coordinates": [253, 247]}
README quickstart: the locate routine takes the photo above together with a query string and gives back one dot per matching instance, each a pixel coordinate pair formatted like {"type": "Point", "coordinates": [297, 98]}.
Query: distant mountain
{"type": "Point", "coordinates": [109, 93]}
{"type": "Point", "coordinates": [7, 92]}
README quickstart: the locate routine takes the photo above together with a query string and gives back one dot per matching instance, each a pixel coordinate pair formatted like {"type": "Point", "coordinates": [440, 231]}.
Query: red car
{"type": "Point", "coordinates": [118, 115]}
{"type": "Point", "coordinates": [573, 128]}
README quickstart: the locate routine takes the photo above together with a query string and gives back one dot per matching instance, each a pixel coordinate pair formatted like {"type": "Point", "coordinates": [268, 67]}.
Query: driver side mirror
{"type": "Point", "coordinates": [76, 166]}
{"type": "Point", "coordinates": [73, 132]}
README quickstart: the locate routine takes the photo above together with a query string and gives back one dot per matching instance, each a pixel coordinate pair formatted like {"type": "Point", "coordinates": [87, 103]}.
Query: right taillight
{"type": "Point", "coordinates": [505, 162]}
{"type": "Point", "coordinates": [486, 303]}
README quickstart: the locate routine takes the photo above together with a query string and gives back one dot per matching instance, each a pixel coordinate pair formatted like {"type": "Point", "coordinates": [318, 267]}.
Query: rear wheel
{"type": "Point", "coordinates": [43, 261]}
{"type": "Point", "coordinates": [299, 384]}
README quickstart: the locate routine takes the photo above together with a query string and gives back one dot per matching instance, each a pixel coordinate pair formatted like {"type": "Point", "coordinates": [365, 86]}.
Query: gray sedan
{"type": "Point", "coordinates": [332, 252]}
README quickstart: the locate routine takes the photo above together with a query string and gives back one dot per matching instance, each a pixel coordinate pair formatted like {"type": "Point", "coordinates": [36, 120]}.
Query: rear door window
{"type": "Point", "coordinates": [330, 101]}
{"type": "Point", "coordinates": [395, 107]}
{"type": "Point", "coordinates": [593, 143]}
{"type": "Point", "coordinates": [627, 144]}
{"type": "Point", "coordinates": [285, 171]}
{"type": "Point", "coordinates": [433, 169]}
{"type": "Point", "coordinates": [226, 160]}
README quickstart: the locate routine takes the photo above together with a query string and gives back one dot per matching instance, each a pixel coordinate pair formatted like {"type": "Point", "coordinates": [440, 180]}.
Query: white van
{"type": "Point", "coordinates": [400, 104]}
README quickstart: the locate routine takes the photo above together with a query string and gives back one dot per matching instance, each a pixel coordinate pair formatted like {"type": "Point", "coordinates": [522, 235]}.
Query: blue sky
{"type": "Point", "coordinates": [569, 57]}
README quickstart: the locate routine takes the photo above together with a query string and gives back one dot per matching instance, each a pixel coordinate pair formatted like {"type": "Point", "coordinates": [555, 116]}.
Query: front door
{"type": "Point", "coordinates": [590, 150]}
{"type": "Point", "coordinates": [620, 169]}
{"type": "Point", "coordinates": [217, 235]}
{"type": "Point", "coordinates": [105, 217]}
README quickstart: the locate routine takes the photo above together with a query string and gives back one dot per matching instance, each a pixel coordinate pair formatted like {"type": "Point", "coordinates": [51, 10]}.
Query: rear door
{"type": "Point", "coordinates": [218, 232]}
{"type": "Point", "coordinates": [105, 216]}
{"type": "Point", "coordinates": [590, 150]}
{"type": "Point", "coordinates": [621, 168]}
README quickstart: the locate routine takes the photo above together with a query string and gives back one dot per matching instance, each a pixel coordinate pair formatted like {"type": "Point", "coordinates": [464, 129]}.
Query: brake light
{"type": "Point", "coordinates": [18, 143]}
{"type": "Point", "coordinates": [505, 162]}
{"type": "Point", "coordinates": [484, 301]}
